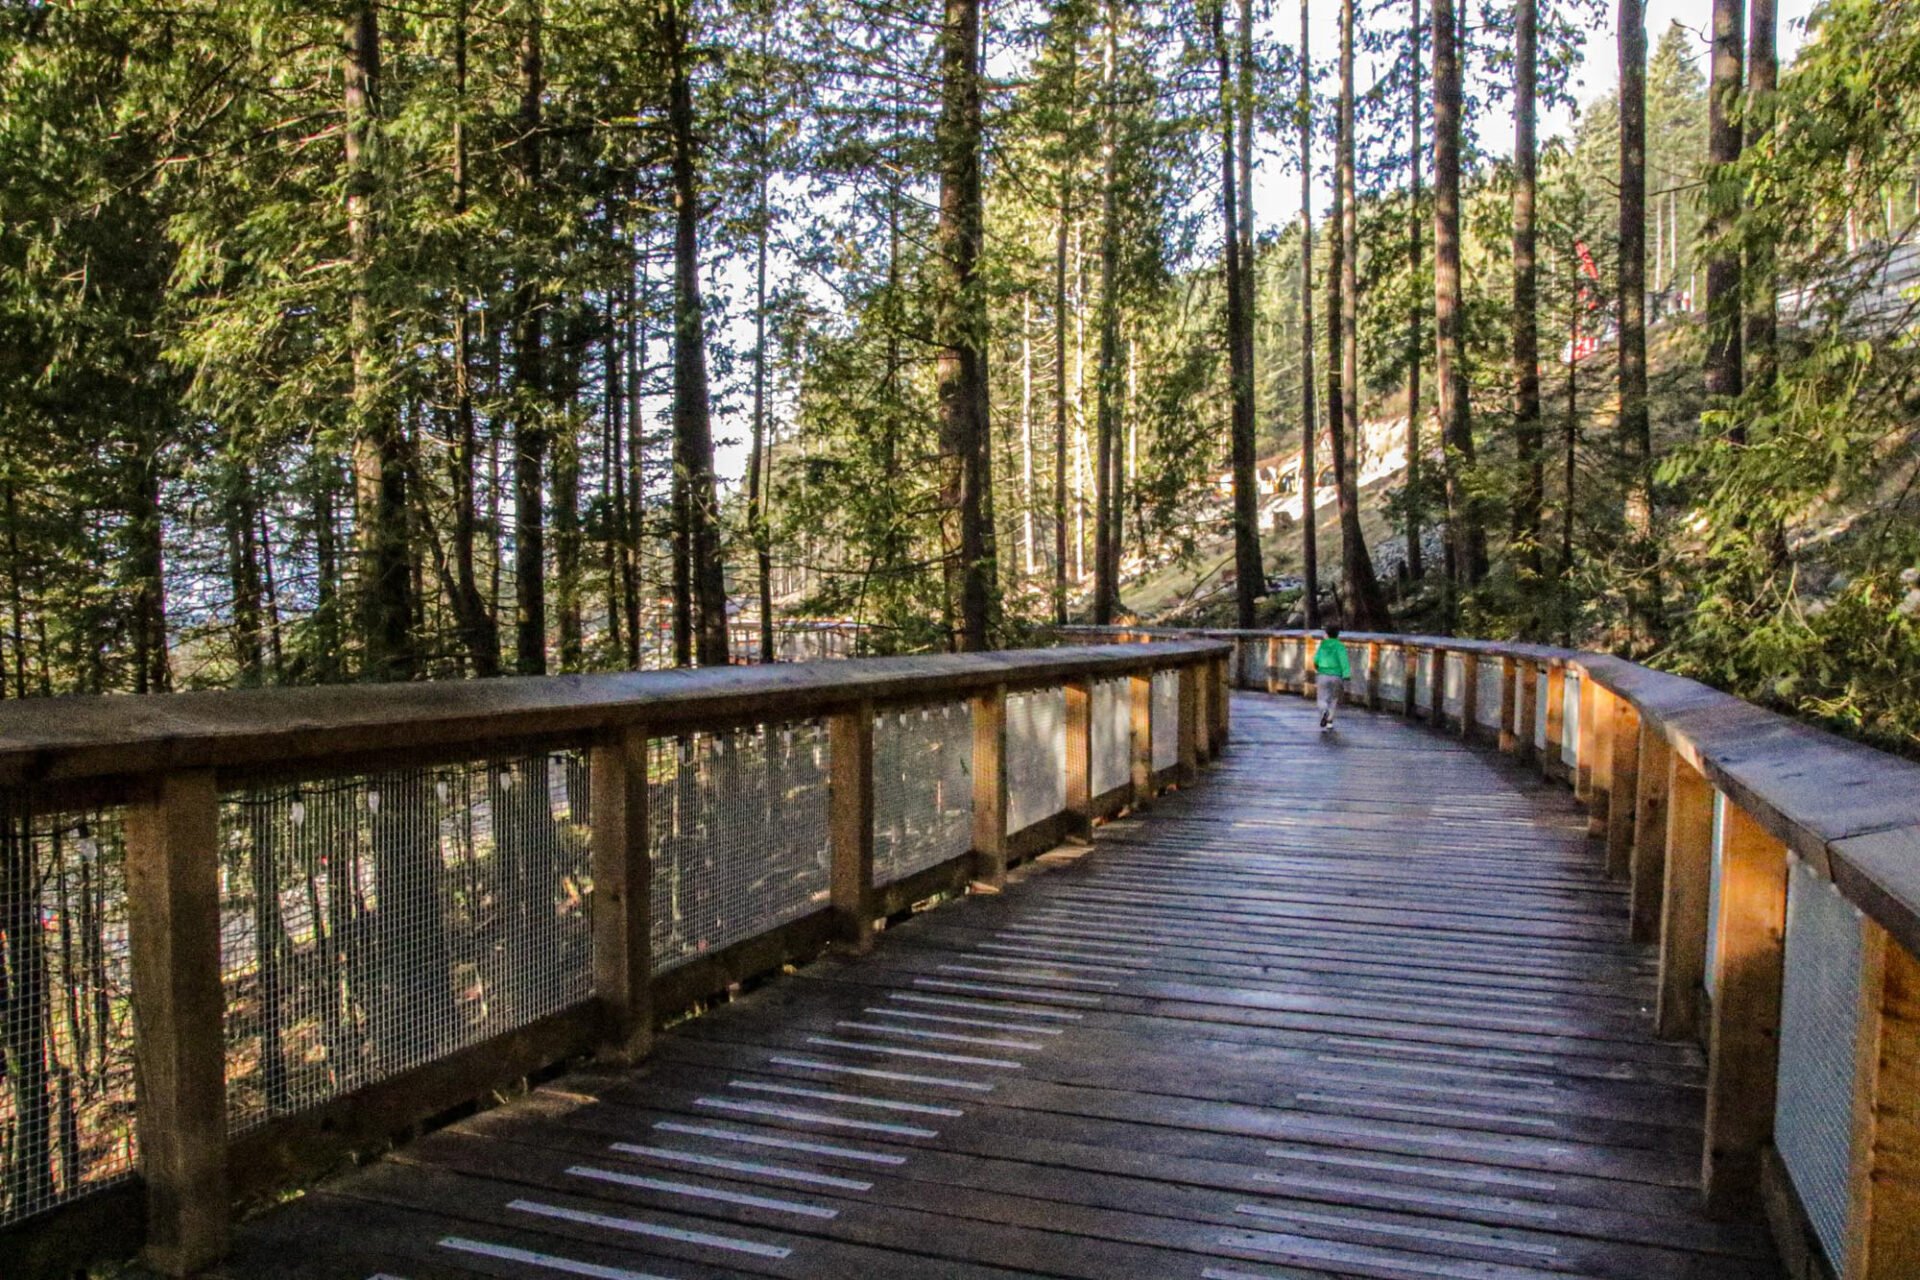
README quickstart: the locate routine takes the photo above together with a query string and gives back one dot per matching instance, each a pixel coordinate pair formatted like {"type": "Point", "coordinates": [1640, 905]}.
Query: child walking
{"type": "Point", "coordinates": [1334, 669]}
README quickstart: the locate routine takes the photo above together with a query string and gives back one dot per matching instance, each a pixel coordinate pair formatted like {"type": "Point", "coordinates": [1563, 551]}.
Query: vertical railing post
{"type": "Point", "coordinates": [622, 895]}
{"type": "Point", "coordinates": [850, 819]}
{"type": "Point", "coordinates": [1743, 1038]}
{"type": "Point", "coordinates": [1373, 674]}
{"type": "Point", "coordinates": [1469, 693]}
{"type": "Point", "coordinates": [1202, 710]}
{"type": "Point", "coordinates": [1554, 757]}
{"type": "Point", "coordinates": [1527, 714]}
{"type": "Point", "coordinates": [1190, 728]}
{"type": "Point", "coordinates": [1884, 1204]}
{"type": "Point", "coordinates": [1223, 708]}
{"type": "Point", "coordinates": [1409, 685]}
{"type": "Point", "coordinates": [1596, 756]}
{"type": "Point", "coordinates": [1647, 872]}
{"type": "Point", "coordinates": [1140, 691]}
{"type": "Point", "coordinates": [1080, 755]}
{"type": "Point", "coordinates": [1683, 909]}
{"type": "Point", "coordinates": [1509, 705]}
{"type": "Point", "coordinates": [1623, 784]}
{"type": "Point", "coordinates": [1273, 664]}
{"type": "Point", "coordinates": [1437, 690]}
{"type": "Point", "coordinates": [990, 784]}
{"type": "Point", "coordinates": [1309, 675]}
{"type": "Point", "coordinates": [173, 902]}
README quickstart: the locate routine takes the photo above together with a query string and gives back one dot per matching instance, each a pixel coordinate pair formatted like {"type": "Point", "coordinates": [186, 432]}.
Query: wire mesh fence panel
{"type": "Point", "coordinates": [1111, 730]}
{"type": "Point", "coordinates": [1293, 662]}
{"type": "Point", "coordinates": [922, 788]}
{"type": "Point", "coordinates": [1570, 719]}
{"type": "Point", "coordinates": [1423, 679]}
{"type": "Point", "coordinates": [377, 923]}
{"type": "Point", "coordinates": [1250, 657]}
{"type": "Point", "coordinates": [740, 835]}
{"type": "Point", "coordinates": [1166, 719]}
{"type": "Point", "coordinates": [1453, 693]}
{"type": "Point", "coordinates": [1819, 1024]}
{"type": "Point", "coordinates": [1362, 663]}
{"type": "Point", "coordinates": [66, 1017]}
{"type": "Point", "coordinates": [1036, 756]}
{"type": "Point", "coordinates": [1487, 693]}
{"type": "Point", "coordinates": [1393, 673]}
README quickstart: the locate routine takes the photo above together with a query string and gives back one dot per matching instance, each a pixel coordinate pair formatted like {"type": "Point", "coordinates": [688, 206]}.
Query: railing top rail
{"type": "Point", "coordinates": [60, 740]}
{"type": "Point", "coordinates": [1852, 810]}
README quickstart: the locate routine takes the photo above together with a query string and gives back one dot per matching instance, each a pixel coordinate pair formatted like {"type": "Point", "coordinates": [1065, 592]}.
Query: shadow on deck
{"type": "Point", "coordinates": [1360, 1006]}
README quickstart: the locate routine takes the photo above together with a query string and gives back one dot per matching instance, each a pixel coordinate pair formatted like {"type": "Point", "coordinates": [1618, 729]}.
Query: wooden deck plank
{"type": "Point", "coordinates": [1358, 1006]}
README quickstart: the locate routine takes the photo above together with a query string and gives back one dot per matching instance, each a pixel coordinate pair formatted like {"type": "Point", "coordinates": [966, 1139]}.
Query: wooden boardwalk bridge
{"type": "Point", "coordinates": [1092, 961]}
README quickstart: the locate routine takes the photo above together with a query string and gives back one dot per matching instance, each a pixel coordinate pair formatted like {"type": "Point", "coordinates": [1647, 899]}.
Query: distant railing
{"type": "Point", "coordinates": [1776, 866]}
{"type": "Point", "coordinates": [248, 933]}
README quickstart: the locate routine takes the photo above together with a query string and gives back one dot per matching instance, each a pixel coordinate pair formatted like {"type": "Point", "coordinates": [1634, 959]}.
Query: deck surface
{"type": "Point", "coordinates": [1352, 1006]}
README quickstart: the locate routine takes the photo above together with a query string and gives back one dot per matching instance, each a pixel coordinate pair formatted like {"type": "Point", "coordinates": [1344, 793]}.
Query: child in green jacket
{"type": "Point", "coordinates": [1334, 669]}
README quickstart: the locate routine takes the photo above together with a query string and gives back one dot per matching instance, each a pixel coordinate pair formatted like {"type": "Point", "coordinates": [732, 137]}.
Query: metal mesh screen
{"type": "Point", "coordinates": [1293, 662]}
{"type": "Point", "coordinates": [1423, 680]}
{"type": "Point", "coordinates": [1166, 719]}
{"type": "Point", "coordinates": [1250, 664]}
{"type": "Point", "coordinates": [740, 835]}
{"type": "Point", "coordinates": [1362, 663]}
{"type": "Point", "coordinates": [374, 924]}
{"type": "Point", "coordinates": [1455, 677]}
{"type": "Point", "coordinates": [1714, 869]}
{"type": "Point", "coordinates": [1570, 719]}
{"type": "Point", "coordinates": [922, 788]}
{"type": "Point", "coordinates": [1819, 1023]}
{"type": "Point", "coordinates": [1539, 709]}
{"type": "Point", "coordinates": [66, 1023]}
{"type": "Point", "coordinates": [1488, 693]}
{"type": "Point", "coordinates": [1036, 756]}
{"type": "Point", "coordinates": [1393, 673]}
{"type": "Point", "coordinates": [1112, 734]}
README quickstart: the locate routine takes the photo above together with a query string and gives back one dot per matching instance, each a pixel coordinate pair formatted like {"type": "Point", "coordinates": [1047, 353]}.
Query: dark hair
{"type": "Point", "coordinates": [1333, 633]}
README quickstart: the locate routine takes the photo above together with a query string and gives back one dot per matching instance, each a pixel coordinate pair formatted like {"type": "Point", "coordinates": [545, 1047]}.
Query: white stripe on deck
{"type": "Point", "coordinates": [695, 1191]}
{"type": "Point", "coordinates": [805, 1116]}
{"type": "Point", "coordinates": [545, 1261]}
{"type": "Point", "coordinates": [1349, 1223]}
{"type": "Point", "coordinates": [875, 1073]}
{"type": "Point", "coordinates": [827, 1095]}
{"type": "Point", "coordinates": [994, 1006]}
{"type": "Point", "coordinates": [1022, 993]}
{"type": "Point", "coordinates": [785, 1144]}
{"type": "Point", "coordinates": [749, 1167]}
{"type": "Point", "coordinates": [639, 1227]}
{"type": "Point", "coordinates": [1027, 975]}
{"type": "Point", "coordinates": [898, 1051]}
{"type": "Point", "coordinates": [948, 1019]}
{"type": "Point", "coordinates": [949, 1037]}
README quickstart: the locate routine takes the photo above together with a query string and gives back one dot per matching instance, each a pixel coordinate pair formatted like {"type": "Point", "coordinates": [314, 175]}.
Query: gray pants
{"type": "Point", "coordinates": [1332, 689]}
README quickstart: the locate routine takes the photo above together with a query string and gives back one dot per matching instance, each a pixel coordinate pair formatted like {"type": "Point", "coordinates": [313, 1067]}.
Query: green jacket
{"type": "Point", "coordinates": [1330, 659]}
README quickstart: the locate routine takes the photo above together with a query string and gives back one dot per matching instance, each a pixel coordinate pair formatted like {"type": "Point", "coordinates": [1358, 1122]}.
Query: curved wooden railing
{"type": "Point", "coordinates": [249, 933]}
{"type": "Point", "coordinates": [1776, 866]}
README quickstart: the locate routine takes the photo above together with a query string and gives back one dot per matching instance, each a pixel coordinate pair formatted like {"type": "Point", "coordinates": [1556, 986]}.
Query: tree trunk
{"type": "Point", "coordinates": [479, 633]}
{"type": "Point", "coordinates": [1030, 565]}
{"type": "Point", "coordinates": [1060, 398]}
{"type": "Point", "coordinates": [756, 459]}
{"type": "Point", "coordinates": [1309, 412]}
{"type": "Point", "coordinates": [243, 572]}
{"type": "Point", "coordinates": [692, 407]}
{"type": "Point", "coordinates": [1106, 533]}
{"type": "Point", "coordinates": [1416, 339]}
{"type": "Point", "coordinates": [1636, 434]}
{"type": "Point", "coordinates": [379, 442]}
{"type": "Point", "coordinates": [1763, 74]}
{"type": "Point", "coordinates": [566, 500]}
{"type": "Point", "coordinates": [1249, 577]}
{"type": "Point", "coordinates": [1723, 205]}
{"type": "Point", "coordinates": [1527, 428]}
{"type": "Point", "coordinates": [530, 434]}
{"type": "Point", "coordinates": [1466, 538]}
{"type": "Point", "coordinates": [960, 320]}
{"type": "Point", "coordinates": [1366, 607]}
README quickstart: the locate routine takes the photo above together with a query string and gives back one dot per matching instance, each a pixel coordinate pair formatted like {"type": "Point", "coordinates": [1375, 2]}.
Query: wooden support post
{"type": "Point", "coordinates": [1623, 783]}
{"type": "Point", "coordinates": [1223, 709]}
{"type": "Point", "coordinates": [1509, 705]}
{"type": "Point", "coordinates": [1683, 911]}
{"type": "Point", "coordinates": [1409, 684]}
{"type": "Point", "coordinates": [1884, 1221]}
{"type": "Point", "coordinates": [1190, 728]}
{"type": "Point", "coordinates": [1469, 694]}
{"type": "Point", "coordinates": [173, 903]}
{"type": "Point", "coordinates": [850, 748]}
{"type": "Point", "coordinates": [1585, 752]}
{"type": "Point", "coordinates": [1743, 1039]}
{"type": "Point", "coordinates": [622, 896]}
{"type": "Point", "coordinates": [1273, 664]}
{"type": "Point", "coordinates": [1202, 711]}
{"type": "Point", "coordinates": [1554, 757]}
{"type": "Point", "coordinates": [1437, 690]}
{"type": "Point", "coordinates": [1080, 755]}
{"type": "Point", "coordinates": [1309, 676]}
{"type": "Point", "coordinates": [990, 784]}
{"type": "Point", "coordinates": [1373, 674]}
{"type": "Point", "coordinates": [1141, 686]}
{"type": "Point", "coordinates": [1647, 862]}
{"type": "Point", "coordinates": [1527, 713]}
